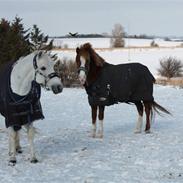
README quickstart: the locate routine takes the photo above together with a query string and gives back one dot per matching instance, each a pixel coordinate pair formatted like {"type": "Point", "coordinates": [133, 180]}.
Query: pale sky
{"type": "Point", "coordinates": [58, 17]}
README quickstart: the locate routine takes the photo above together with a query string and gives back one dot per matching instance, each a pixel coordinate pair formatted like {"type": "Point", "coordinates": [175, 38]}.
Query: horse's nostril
{"type": "Point", "coordinates": [57, 89]}
{"type": "Point", "coordinates": [60, 88]}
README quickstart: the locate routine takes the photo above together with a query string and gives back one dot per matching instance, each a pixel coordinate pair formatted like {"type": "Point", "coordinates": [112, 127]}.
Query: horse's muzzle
{"type": "Point", "coordinates": [57, 89]}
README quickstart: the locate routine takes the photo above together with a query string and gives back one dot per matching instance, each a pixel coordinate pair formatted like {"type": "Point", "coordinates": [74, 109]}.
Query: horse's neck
{"type": "Point", "coordinates": [93, 74]}
{"type": "Point", "coordinates": [22, 75]}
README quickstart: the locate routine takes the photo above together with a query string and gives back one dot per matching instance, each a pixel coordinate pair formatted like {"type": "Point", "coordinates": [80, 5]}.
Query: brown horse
{"type": "Point", "coordinates": [107, 84]}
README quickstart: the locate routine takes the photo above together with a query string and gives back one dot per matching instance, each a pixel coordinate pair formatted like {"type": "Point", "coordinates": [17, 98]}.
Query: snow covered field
{"type": "Point", "coordinates": [147, 56]}
{"type": "Point", "coordinates": [139, 51]}
{"type": "Point", "coordinates": [105, 42]}
{"type": "Point", "coordinates": [68, 155]}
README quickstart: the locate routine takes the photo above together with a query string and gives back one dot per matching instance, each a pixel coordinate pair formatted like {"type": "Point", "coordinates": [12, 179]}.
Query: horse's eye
{"type": "Point", "coordinates": [43, 68]}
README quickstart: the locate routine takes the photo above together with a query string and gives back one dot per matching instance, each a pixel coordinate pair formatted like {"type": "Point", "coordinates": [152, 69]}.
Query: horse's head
{"type": "Point", "coordinates": [87, 60]}
{"type": "Point", "coordinates": [45, 74]}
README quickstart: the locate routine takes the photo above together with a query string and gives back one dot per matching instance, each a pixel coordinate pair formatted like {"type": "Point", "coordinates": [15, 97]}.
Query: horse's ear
{"type": "Point", "coordinates": [54, 57]}
{"type": "Point", "coordinates": [87, 46]}
{"type": "Point", "coordinates": [47, 52]}
{"type": "Point", "coordinates": [77, 50]}
{"type": "Point", "coordinates": [40, 54]}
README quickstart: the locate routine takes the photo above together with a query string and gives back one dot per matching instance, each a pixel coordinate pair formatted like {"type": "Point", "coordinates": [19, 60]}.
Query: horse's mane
{"type": "Point", "coordinates": [98, 60]}
{"type": "Point", "coordinates": [96, 63]}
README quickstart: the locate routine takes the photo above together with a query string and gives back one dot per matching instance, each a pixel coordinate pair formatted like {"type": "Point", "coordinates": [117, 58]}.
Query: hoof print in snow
{"type": "Point", "coordinates": [34, 161]}
{"type": "Point", "coordinates": [92, 135]}
{"type": "Point", "coordinates": [12, 163]}
{"type": "Point", "coordinates": [84, 149]}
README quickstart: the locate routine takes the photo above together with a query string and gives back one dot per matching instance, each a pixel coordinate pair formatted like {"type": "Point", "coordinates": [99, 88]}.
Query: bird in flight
{"type": "Point", "coordinates": [73, 34]}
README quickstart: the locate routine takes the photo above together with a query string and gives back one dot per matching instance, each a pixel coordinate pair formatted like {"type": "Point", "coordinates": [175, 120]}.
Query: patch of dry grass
{"type": "Point", "coordinates": [173, 81]}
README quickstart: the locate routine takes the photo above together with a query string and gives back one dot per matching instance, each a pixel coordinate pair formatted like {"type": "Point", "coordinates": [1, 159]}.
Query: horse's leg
{"type": "Point", "coordinates": [148, 109]}
{"type": "Point", "coordinates": [94, 117]}
{"type": "Point", "coordinates": [139, 123]}
{"type": "Point", "coordinates": [12, 146]}
{"type": "Point", "coordinates": [17, 143]}
{"type": "Point", "coordinates": [31, 133]}
{"type": "Point", "coordinates": [101, 117]}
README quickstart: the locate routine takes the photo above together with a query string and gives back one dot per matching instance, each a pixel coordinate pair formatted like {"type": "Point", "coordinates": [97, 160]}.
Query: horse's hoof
{"type": "Point", "coordinates": [93, 135]}
{"type": "Point", "coordinates": [100, 136]}
{"type": "Point", "coordinates": [19, 150]}
{"type": "Point", "coordinates": [12, 162]}
{"type": "Point", "coordinates": [137, 131]}
{"type": "Point", "coordinates": [147, 131]}
{"type": "Point", "coordinates": [34, 160]}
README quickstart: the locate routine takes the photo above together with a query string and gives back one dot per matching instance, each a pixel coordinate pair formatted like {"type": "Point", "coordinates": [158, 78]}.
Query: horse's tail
{"type": "Point", "coordinates": [158, 108]}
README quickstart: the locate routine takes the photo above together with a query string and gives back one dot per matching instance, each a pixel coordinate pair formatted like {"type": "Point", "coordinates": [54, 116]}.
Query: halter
{"type": "Point", "coordinates": [85, 68]}
{"type": "Point", "coordinates": [37, 71]}
{"type": "Point", "coordinates": [82, 69]}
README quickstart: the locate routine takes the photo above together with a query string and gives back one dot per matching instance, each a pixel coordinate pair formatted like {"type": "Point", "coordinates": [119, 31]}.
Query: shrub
{"type": "Point", "coordinates": [154, 44]}
{"type": "Point", "coordinates": [67, 70]}
{"type": "Point", "coordinates": [65, 46]}
{"type": "Point", "coordinates": [170, 67]}
{"type": "Point", "coordinates": [181, 45]}
{"type": "Point", "coordinates": [167, 39]}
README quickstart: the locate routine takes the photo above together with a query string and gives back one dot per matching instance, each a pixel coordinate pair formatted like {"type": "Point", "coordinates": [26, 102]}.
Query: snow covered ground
{"type": "Point", "coordinates": [137, 53]}
{"type": "Point", "coordinates": [105, 42]}
{"type": "Point", "coordinates": [68, 155]}
{"type": "Point", "coordinates": [147, 56]}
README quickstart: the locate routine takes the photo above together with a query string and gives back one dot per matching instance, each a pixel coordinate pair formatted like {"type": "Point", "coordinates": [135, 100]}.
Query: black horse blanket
{"type": "Point", "coordinates": [121, 83]}
{"type": "Point", "coordinates": [18, 110]}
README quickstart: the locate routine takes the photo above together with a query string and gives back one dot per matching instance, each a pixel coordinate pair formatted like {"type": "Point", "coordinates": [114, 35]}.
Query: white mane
{"type": "Point", "coordinates": [22, 75]}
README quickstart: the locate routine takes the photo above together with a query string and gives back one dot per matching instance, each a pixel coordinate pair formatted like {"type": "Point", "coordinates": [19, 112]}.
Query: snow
{"type": "Point", "coordinates": [74, 42]}
{"type": "Point", "coordinates": [68, 154]}
{"type": "Point", "coordinates": [147, 56]}
{"type": "Point", "coordinates": [139, 51]}
{"type": "Point", "coordinates": [105, 42]}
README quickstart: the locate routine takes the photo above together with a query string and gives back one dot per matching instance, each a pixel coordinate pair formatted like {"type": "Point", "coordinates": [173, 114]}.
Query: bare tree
{"type": "Point", "coordinates": [170, 67]}
{"type": "Point", "coordinates": [117, 39]}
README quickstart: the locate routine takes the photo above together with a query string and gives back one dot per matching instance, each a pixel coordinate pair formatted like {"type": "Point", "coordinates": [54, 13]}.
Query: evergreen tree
{"type": "Point", "coordinates": [14, 40]}
{"type": "Point", "coordinates": [38, 40]}
{"type": "Point", "coordinates": [4, 32]}
{"type": "Point", "coordinates": [20, 38]}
